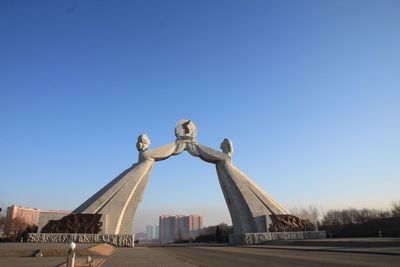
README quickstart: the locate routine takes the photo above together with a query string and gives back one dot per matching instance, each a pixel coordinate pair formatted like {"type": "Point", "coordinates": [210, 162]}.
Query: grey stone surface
{"type": "Point", "coordinates": [45, 217]}
{"type": "Point", "coordinates": [260, 238]}
{"type": "Point", "coordinates": [249, 205]}
{"type": "Point", "coordinates": [122, 240]}
{"type": "Point", "coordinates": [118, 200]}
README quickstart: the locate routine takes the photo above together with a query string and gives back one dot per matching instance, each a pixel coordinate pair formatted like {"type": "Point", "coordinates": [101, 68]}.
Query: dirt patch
{"type": "Point", "coordinates": [102, 250]}
{"type": "Point", "coordinates": [98, 250]}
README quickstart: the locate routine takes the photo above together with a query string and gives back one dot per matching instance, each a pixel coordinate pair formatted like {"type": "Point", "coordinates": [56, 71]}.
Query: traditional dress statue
{"type": "Point", "coordinates": [118, 200]}
{"type": "Point", "coordinates": [249, 205]}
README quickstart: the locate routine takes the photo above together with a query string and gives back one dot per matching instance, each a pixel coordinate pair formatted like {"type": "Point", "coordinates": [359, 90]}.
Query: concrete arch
{"type": "Point", "coordinates": [249, 205]}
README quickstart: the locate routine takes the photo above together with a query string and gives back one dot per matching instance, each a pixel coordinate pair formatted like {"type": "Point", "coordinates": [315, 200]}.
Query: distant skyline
{"type": "Point", "coordinates": [308, 91]}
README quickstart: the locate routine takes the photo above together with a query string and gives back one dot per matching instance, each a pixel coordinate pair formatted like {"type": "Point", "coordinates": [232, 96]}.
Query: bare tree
{"type": "Point", "coordinates": [14, 227]}
{"type": "Point", "coordinates": [384, 214]}
{"type": "Point", "coordinates": [395, 211]}
{"type": "Point", "coordinates": [346, 216]}
{"type": "Point", "coordinates": [311, 213]}
{"type": "Point", "coordinates": [332, 217]}
{"type": "Point", "coordinates": [354, 216]}
{"type": "Point", "coordinates": [2, 223]}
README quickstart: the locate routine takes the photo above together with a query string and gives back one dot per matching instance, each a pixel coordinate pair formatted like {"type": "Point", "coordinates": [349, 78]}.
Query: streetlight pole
{"type": "Point", "coordinates": [71, 254]}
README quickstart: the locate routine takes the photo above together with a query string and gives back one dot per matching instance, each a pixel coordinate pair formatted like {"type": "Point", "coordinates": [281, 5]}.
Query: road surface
{"type": "Point", "coordinates": [339, 252]}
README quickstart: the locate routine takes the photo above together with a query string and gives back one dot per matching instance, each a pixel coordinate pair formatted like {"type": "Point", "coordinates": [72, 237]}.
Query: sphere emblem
{"type": "Point", "coordinates": [185, 130]}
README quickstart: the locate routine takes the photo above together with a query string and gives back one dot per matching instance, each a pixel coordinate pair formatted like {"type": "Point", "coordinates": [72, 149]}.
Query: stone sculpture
{"type": "Point", "coordinates": [289, 223]}
{"type": "Point", "coordinates": [249, 205]}
{"type": "Point", "coordinates": [75, 223]}
{"type": "Point", "coordinates": [118, 200]}
{"type": "Point", "coordinates": [252, 209]}
{"type": "Point", "coordinates": [121, 240]}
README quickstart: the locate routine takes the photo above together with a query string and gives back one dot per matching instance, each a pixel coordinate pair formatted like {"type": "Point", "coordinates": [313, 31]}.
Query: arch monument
{"type": "Point", "coordinates": [252, 210]}
{"type": "Point", "coordinates": [256, 216]}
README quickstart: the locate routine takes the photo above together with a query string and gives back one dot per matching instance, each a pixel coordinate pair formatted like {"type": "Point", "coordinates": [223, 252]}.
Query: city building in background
{"type": "Point", "coordinates": [179, 227]}
{"type": "Point", "coordinates": [28, 215]}
{"type": "Point", "coordinates": [140, 236]}
{"type": "Point", "coordinates": [35, 216]}
{"type": "Point", "coordinates": [152, 232]}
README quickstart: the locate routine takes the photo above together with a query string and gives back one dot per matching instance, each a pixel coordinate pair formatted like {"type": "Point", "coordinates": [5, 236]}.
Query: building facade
{"type": "Point", "coordinates": [28, 215]}
{"type": "Point", "coordinates": [35, 216]}
{"type": "Point", "coordinates": [152, 232]}
{"type": "Point", "coordinates": [179, 227]}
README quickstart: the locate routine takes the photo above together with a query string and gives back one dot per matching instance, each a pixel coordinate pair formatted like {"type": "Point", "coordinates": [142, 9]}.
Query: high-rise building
{"type": "Point", "coordinates": [141, 236]}
{"type": "Point", "coordinates": [179, 227]}
{"type": "Point", "coordinates": [152, 232]}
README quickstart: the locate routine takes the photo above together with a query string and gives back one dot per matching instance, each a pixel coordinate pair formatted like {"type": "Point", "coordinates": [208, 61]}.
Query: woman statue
{"type": "Point", "coordinates": [249, 205]}
{"type": "Point", "coordinates": [118, 200]}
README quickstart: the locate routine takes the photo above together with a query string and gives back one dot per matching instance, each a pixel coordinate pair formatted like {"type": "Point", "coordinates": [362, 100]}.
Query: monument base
{"type": "Point", "coordinates": [260, 238]}
{"type": "Point", "coordinates": [120, 240]}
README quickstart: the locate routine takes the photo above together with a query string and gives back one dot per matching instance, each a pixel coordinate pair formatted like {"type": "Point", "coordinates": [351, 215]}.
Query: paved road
{"type": "Point", "coordinates": [143, 256]}
{"type": "Point", "coordinates": [257, 256]}
{"type": "Point", "coordinates": [354, 252]}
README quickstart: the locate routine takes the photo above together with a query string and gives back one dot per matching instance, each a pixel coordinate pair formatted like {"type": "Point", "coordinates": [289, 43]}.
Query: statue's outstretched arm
{"type": "Point", "coordinates": [162, 152]}
{"type": "Point", "coordinates": [206, 153]}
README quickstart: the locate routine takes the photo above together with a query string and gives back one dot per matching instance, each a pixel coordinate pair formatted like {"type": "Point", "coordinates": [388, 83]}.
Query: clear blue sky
{"type": "Point", "coordinates": [308, 91]}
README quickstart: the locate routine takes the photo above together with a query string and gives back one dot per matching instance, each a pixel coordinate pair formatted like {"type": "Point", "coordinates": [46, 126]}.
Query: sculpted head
{"type": "Point", "coordinates": [143, 142]}
{"type": "Point", "coordinates": [227, 146]}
